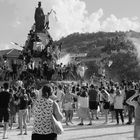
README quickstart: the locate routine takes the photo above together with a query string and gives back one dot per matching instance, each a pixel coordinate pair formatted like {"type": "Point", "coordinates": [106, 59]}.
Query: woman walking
{"type": "Point", "coordinates": [83, 110]}
{"type": "Point", "coordinates": [118, 105]}
{"type": "Point", "coordinates": [67, 105]}
{"type": "Point", "coordinates": [43, 110]}
{"type": "Point", "coordinates": [106, 103]}
{"type": "Point", "coordinates": [23, 109]}
{"type": "Point", "coordinates": [136, 104]}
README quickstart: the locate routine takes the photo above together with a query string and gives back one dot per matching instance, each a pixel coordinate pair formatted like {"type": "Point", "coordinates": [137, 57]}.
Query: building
{"type": "Point", "coordinates": [10, 54]}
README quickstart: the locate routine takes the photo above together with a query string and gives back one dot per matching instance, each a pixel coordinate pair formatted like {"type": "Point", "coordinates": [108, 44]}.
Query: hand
{"type": "Point", "coordinates": [137, 92]}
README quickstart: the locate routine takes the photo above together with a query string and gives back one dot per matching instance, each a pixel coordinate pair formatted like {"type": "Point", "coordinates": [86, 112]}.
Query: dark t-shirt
{"type": "Point", "coordinates": [5, 99]}
{"type": "Point", "coordinates": [130, 93]}
{"type": "Point", "coordinates": [93, 95]}
{"type": "Point", "coordinates": [23, 102]}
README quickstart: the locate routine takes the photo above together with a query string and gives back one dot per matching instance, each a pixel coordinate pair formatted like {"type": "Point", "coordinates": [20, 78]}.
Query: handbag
{"type": "Point", "coordinates": [57, 126]}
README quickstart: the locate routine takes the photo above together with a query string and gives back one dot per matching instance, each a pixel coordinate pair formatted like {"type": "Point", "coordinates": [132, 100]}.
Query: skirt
{"type": "Point", "coordinates": [51, 136]}
{"type": "Point", "coordinates": [83, 113]}
{"type": "Point", "coordinates": [93, 105]}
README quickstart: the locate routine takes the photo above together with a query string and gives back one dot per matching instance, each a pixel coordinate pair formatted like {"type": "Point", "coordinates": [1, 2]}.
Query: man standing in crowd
{"type": "Point", "coordinates": [5, 98]}
{"type": "Point", "coordinates": [60, 94]}
{"type": "Point", "coordinates": [93, 101]}
{"type": "Point", "coordinates": [130, 92]}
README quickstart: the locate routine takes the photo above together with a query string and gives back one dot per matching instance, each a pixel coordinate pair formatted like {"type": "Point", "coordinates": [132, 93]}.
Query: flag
{"type": "Point", "coordinates": [14, 43]}
{"type": "Point", "coordinates": [55, 15]}
{"type": "Point", "coordinates": [110, 63]}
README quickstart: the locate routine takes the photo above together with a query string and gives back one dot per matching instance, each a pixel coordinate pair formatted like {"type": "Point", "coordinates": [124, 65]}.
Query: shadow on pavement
{"type": "Point", "coordinates": [94, 126]}
{"type": "Point", "coordinates": [102, 135]}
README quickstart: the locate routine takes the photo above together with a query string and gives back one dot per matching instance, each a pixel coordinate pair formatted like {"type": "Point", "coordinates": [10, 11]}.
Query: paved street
{"type": "Point", "coordinates": [98, 131]}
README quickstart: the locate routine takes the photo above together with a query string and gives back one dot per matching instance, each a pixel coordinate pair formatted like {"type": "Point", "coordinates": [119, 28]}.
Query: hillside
{"type": "Point", "coordinates": [102, 47]}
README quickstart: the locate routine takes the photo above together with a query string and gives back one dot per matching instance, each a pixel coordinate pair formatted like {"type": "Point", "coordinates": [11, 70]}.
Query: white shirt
{"type": "Point", "coordinates": [111, 98]}
{"type": "Point", "coordinates": [83, 102]}
{"type": "Point", "coordinates": [118, 102]}
{"type": "Point", "coordinates": [60, 94]}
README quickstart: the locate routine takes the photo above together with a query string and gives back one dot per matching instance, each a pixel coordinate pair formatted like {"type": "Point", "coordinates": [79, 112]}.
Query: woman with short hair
{"type": "Point", "coordinates": [43, 110]}
{"type": "Point", "coordinates": [23, 110]}
{"type": "Point", "coordinates": [118, 105]}
{"type": "Point", "coordinates": [83, 110]}
{"type": "Point", "coordinates": [135, 101]}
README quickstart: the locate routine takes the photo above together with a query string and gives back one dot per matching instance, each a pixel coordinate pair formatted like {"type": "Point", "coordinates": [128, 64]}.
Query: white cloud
{"type": "Point", "coordinates": [112, 24]}
{"type": "Point", "coordinates": [72, 16]}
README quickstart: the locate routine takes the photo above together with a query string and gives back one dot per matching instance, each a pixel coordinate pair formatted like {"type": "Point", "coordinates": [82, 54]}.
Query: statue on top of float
{"type": "Point", "coordinates": [39, 18]}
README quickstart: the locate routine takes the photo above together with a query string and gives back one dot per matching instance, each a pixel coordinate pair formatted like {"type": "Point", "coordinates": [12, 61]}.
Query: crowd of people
{"type": "Point", "coordinates": [88, 101]}
{"type": "Point", "coordinates": [38, 70]}
{"type": "Point", "coordinates": [25, 99]}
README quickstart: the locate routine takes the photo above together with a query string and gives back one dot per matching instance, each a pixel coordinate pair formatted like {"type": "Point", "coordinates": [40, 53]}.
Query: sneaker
{"type": "Point", "coordinates": [97, 118]}
{"type": "Point", "coordinates": [80, 124]}
{"type": "Point", "coordinates": [5, 137]}
{"type": "Point", "coordinates": [128, 123]}
{"type": "Point", "coordinates": [89, 124]}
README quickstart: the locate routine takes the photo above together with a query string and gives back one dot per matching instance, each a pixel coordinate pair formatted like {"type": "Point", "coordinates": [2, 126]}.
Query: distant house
{"type": "Point", "coordinates": [10, 54]}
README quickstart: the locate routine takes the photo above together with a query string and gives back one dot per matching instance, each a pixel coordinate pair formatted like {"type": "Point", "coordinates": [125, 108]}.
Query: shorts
{"type": "Point", "coordinates": [4, 114]}
{"type": "Point", "coordinates": [106, 105]}
{"type": "Point", "coordinates": [23, 112]}
{"type": "Point", "coordinates": [111, 108]}
{"type": "Point", "coordinates": [68, 106]}
{"type": "Point", "coordinates": [93, 105]}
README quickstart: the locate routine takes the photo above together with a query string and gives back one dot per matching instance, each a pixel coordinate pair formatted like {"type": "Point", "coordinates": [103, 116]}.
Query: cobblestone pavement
{"type": "Point", "coordinates": [98, 131]}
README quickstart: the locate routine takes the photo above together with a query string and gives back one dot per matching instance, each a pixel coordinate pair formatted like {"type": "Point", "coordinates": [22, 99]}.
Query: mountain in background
{"type": "Point", "coordinates": [103, 47]}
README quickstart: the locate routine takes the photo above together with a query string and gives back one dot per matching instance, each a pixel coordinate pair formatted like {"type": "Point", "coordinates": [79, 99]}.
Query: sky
{"type": "Point", "coordinates": [17, 17]}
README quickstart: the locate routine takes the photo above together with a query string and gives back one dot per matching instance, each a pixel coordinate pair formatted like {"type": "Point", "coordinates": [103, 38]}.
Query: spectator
{"type": "Point", "coordinates": [5, 98]}
{"type": "Point", "coordinates": [83, 111]}
{"type": "Point", "coordinates": [106, 104]}
{"type": "Point", "coordinates": [60, 94]}
{"type": "Point", "coordinates": [118, 105]}
{"type": "Point", "coordinates": [112, 95]}
{"type": "Point", "coordinates": [42, 127]}
{"type": "Point", "coordinates": [136, 104]}
{"type": "Point", "coordinates": [23, 109]}
{"type": "Point", "coordinates": [130, 92]}
{"type": "Point", "coordinates": [93, 101]}
{"type": "Point", "coordinates": [67, 105]}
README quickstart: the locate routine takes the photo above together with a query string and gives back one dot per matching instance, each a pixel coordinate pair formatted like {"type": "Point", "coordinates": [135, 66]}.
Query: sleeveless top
{"type": "Point", "coordinates": [137, 115]}
{"type": "Point", "coordinates": [83, 102]}
{"type": "Point", "coordinates": [43, 111]}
